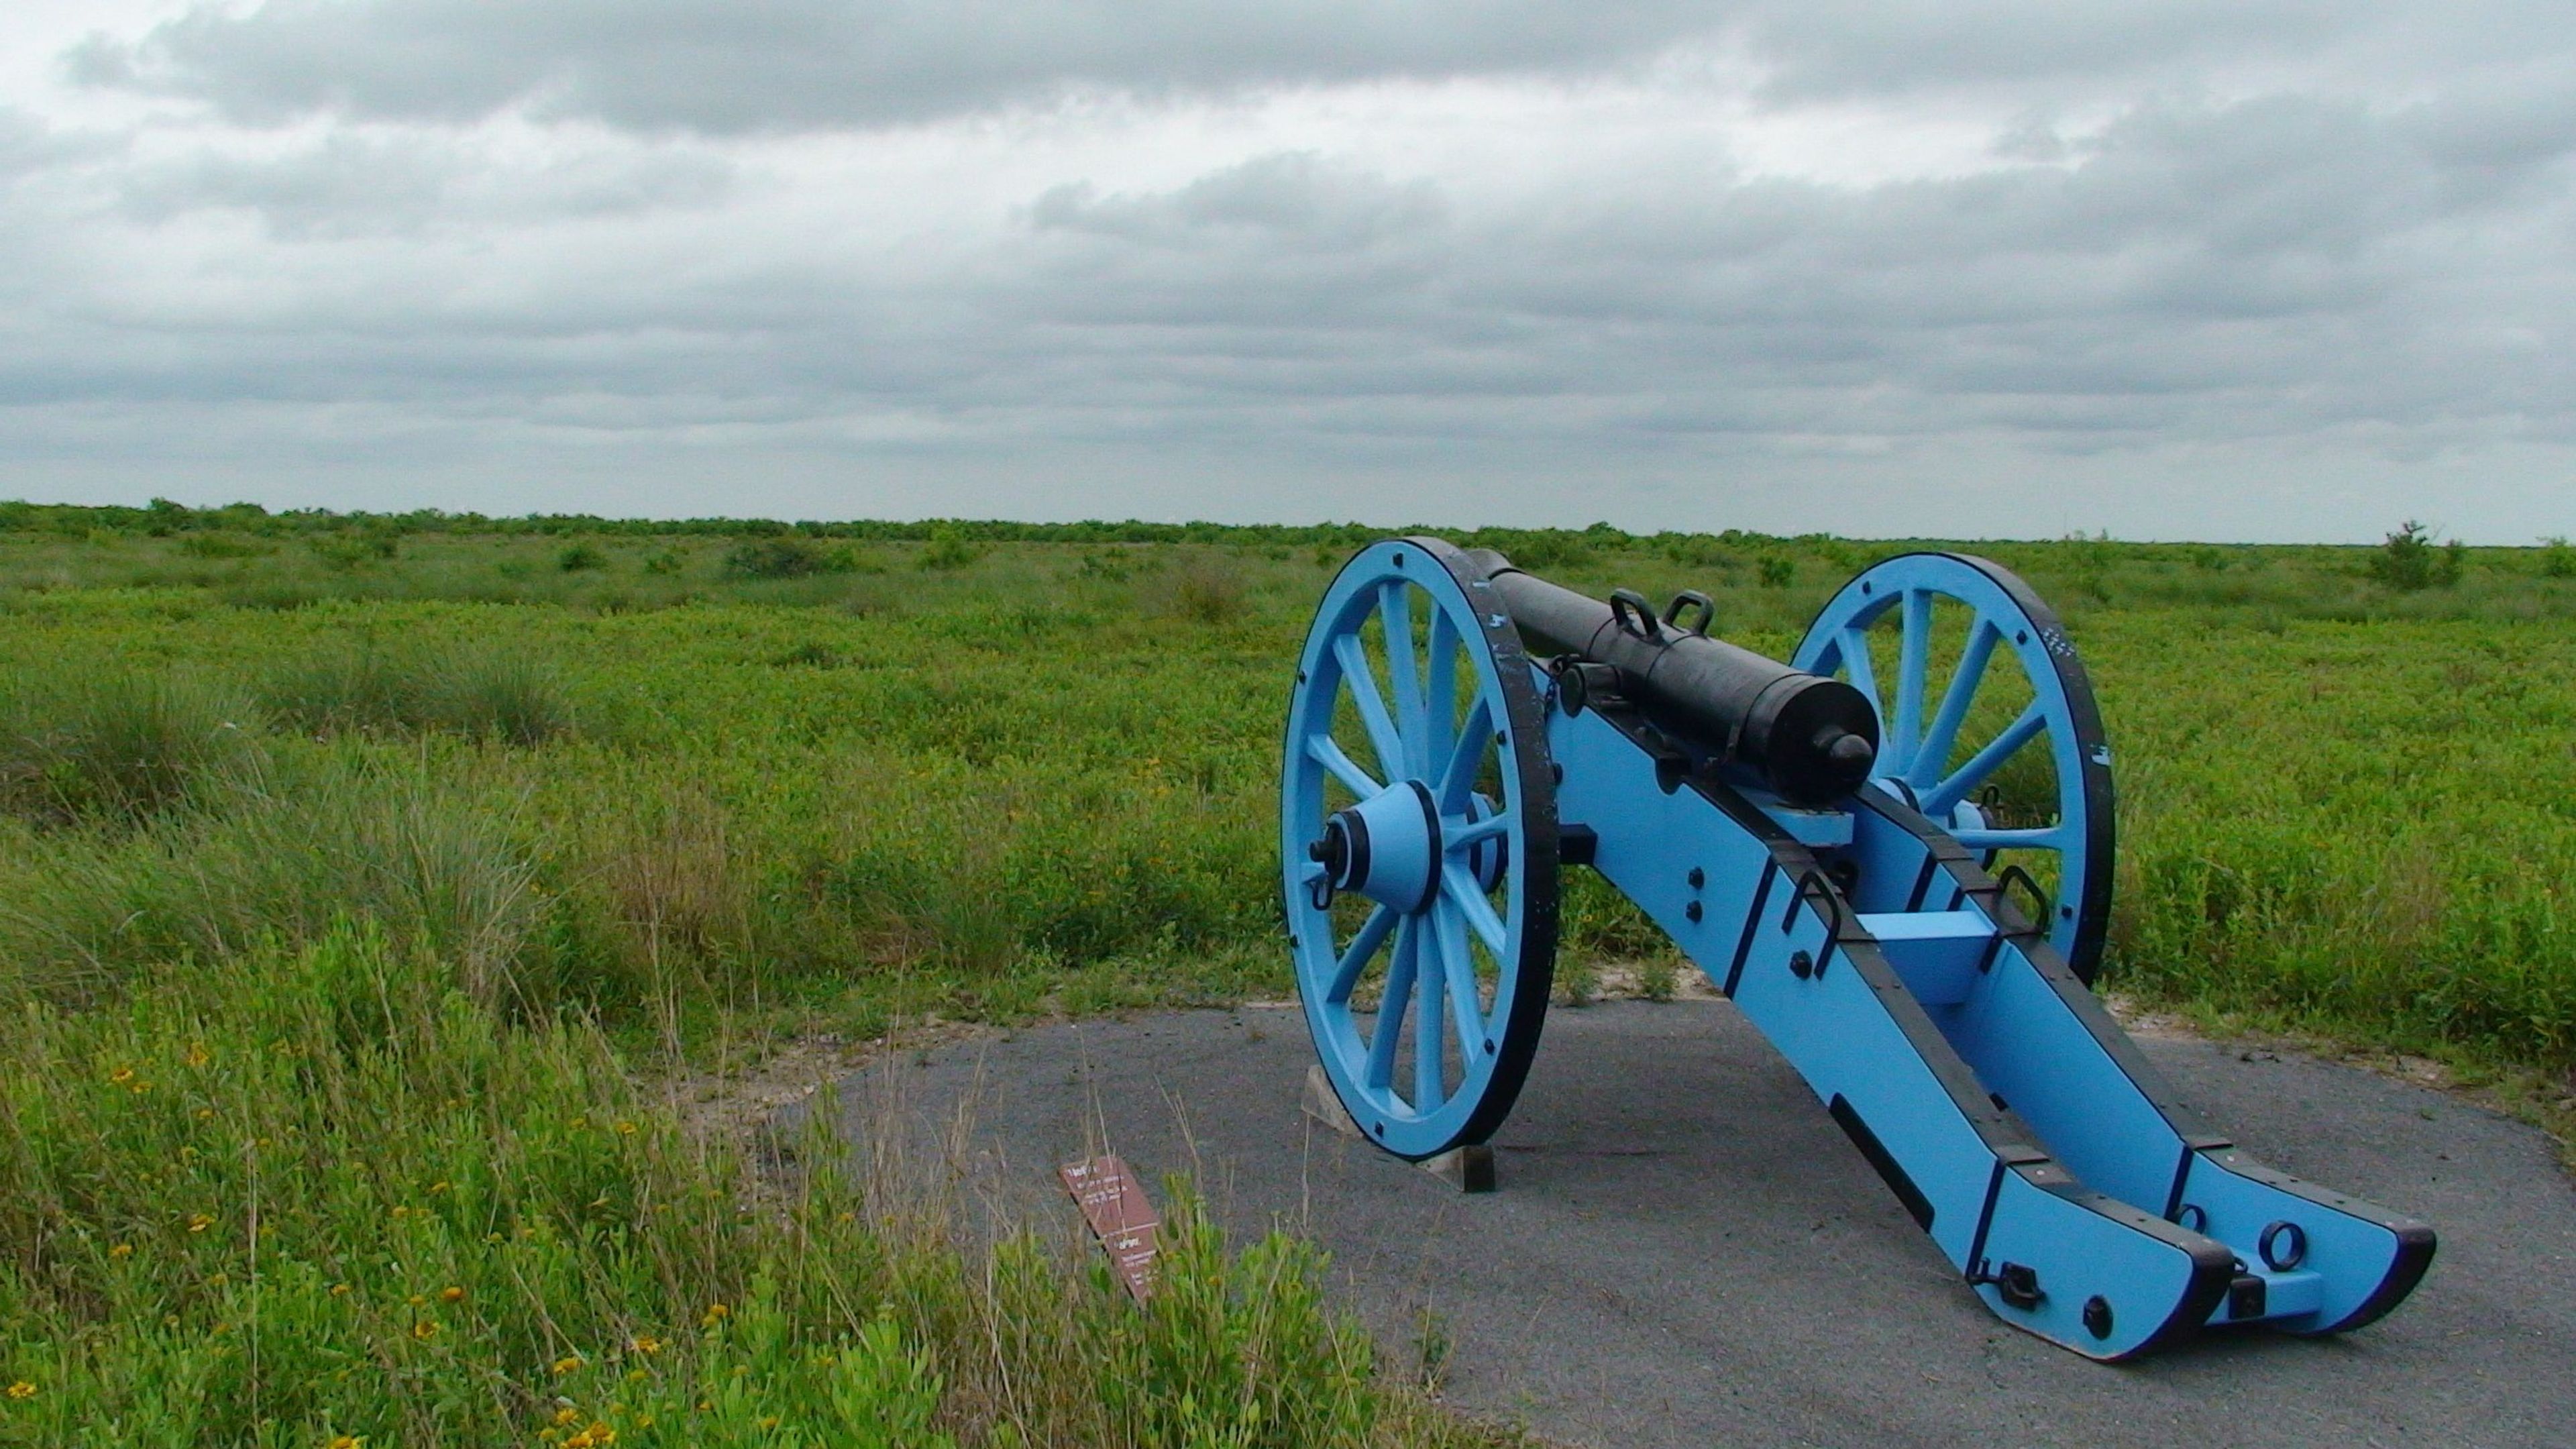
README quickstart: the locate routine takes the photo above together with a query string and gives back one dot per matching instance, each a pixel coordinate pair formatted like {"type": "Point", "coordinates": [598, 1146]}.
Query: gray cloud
{"type": "Point", "coordinates": [348, 185]}
{"type": "Point", "coordinates": [2358, 264]}
{"type": "Point", "coordinates": [724, 67]}
{"type": "Point", "coordinates": [718, 66]}
{"type": "Point", "coordinates": [2221, 271]}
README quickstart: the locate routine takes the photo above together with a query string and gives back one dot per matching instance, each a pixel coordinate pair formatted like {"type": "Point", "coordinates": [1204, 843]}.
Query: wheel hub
{"type": "Point", "coordinates": [1386, 848]}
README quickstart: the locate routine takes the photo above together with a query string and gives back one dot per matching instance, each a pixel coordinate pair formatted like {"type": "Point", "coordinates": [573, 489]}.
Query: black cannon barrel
{"type": "Point", "coordinates": [1811, 738]}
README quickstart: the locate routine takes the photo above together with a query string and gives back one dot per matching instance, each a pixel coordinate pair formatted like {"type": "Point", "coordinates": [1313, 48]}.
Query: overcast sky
{"type": "Point", "coordinates": [2230, 269]}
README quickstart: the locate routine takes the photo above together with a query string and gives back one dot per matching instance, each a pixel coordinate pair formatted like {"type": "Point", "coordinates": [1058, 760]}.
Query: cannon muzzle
{"type": "Point", "coordinates": [1812, 739]}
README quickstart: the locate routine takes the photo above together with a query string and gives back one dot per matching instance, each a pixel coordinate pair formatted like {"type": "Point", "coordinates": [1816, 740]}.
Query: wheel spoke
{"type": "Point", "coordinates": [1441, 712]}
{"type": "Point", "coordinates": [1430, 984]}
{"type": "Point", "coordinates": [1932, 755]}
{"type": "Point", "coordinates": [1485, 829]}
{"type": "Point", "coordinates": [1395, 606]}
{"type": "Point", "coordinates": [1985, 762]}
{"type": "Point", "coordinates": [1324, 751]}
{"type": "Point", "coordinates": [1913, 666]}
{"type": "Point", "coordinates": [2042, 837]}
{"type": "Point", "coordinates": [1389, 1027]}
{"type": "Point", "coordinates": [1853, 644]}
{"type": "Point", "coordinates": [1461, 888]}
{"type": "Point", "coordinates": [1355, 959]}
{"type": "Point", "coordinates": [1384, 738]}
{"type": "Point", "coordinates": [1449, 932]}
{"type": "Point", "coordinates": [1459, 772]}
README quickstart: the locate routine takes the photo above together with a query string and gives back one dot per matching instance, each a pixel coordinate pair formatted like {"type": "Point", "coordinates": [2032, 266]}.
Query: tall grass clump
{"type": "Point", "coordinates": [329, 1195]}
{"type": "Point", "coordinates": [491, 693]}
{"type": "Point", "coordinates": [431, 861]}
{"type": "Point", "coordinates": [126, 745]}
{"type": "Point", "coordinates": [1203, 590]}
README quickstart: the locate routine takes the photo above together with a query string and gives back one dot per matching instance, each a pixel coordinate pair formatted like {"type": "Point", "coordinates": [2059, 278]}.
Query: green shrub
{"type": "Point", "coordinates": [1776, 571]}
{"type": "Point", "coordinates": [776, 558]}
{"type": "Point", "coordinates": [949, 550]}
{"type": "Point", "coordinates": [580, 557]}
{"type": "Point", "coordinates": [2557, 560]}
{"type": "Point", "coordinates": [128, 745]}
{"type": "Point", "coordinates": [220, 545]}
{"type": "Point", "coordinates": [271, 594]}
{"type": "Point", "coordinates": [352, 550]}
{"type": "Point", "coordinates": [663, 562]}
{"type": "Point", "coordinates": [2409, 561]}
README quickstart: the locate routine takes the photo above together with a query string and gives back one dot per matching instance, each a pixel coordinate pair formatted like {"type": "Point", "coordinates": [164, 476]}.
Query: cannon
{"type": "Point", "coordinates": [1905, 890]}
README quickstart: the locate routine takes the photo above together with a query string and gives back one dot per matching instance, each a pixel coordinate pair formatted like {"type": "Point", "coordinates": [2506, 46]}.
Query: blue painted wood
{"type": "Point", "coordinates": [1946, 1034]}
{"type": "Point", "coordinates": [2004, 1106]}
{"type": "Point", "coordinates": [1458, 946]}
{"type": "Point", "coordinates": [1922, 735]}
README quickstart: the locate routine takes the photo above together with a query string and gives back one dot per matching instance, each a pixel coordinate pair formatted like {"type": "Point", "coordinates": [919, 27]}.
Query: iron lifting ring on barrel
{"type": "Point", "coordinates": [1418, 848]}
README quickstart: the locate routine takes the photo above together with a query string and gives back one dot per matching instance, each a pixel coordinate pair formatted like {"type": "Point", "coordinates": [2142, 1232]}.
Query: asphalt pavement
{"type": "Point", "coordinates": [1685, 1250]}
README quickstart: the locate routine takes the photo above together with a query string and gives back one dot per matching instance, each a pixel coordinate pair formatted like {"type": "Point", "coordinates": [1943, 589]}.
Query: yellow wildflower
{"type": "Point", "coordinates": [451, 1294]}
{"type": "Point", "coordinates": [625, 1128]}
{"type": "Point", "coordinates": [567, 1416]}
{"type": "Point", "coordinates": [424, 1330]}
{"type": "Point", "coordinates": [22, 1390]}
{"type": "Point", "coordinates": [339, 1290]}
{"type": "Point", "coordinates": [121, 1250]}
{"type": "Point", "coordinates": [568, 1364]}
{"type": "Point", "coordinates": [198, 1056]}
{"type": "Point", "coordinates": [438, 1187]}
{"type": "Point", "coordinates": [121, 1075]}
{"type": "Point", "coordinates": [347, 1441]}
{"type": "Point", "coordinates": [646, 1343]}
{"type": "Point", "coordinates": [716, 1313]}
{"type": "Point", "coordinates": [199, 1222]}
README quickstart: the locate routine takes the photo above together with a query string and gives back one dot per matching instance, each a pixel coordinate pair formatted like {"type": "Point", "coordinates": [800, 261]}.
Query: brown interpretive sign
{"type": "Point", "coordinates": [1119, 1215]}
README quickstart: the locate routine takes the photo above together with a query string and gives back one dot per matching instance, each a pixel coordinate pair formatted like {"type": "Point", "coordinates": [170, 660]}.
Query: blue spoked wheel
{"type": "Point", "coordinates": [1417, 837]}
{"type": "Point", "coordinates": [2010, 759]}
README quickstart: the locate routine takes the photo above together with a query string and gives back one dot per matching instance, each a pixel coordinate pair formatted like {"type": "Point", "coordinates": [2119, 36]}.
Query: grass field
{"type": "Point", "coordinates": [361, 879]}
